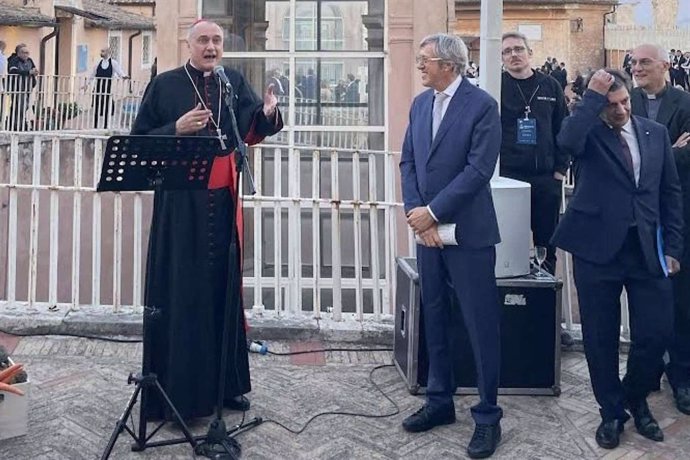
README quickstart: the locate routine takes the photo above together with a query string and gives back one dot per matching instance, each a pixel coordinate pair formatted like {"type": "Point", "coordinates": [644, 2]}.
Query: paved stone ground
{"type": "Point", "coordinates": [79, 391]}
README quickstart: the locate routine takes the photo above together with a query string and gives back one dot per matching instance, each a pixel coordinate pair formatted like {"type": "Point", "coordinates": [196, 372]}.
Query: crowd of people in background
{"type": "Point", "coordinates": [345, 90]}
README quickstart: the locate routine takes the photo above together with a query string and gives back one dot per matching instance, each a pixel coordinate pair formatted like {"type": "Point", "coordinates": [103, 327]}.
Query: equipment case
{"type": "Point", "coordinates": [530, 335]}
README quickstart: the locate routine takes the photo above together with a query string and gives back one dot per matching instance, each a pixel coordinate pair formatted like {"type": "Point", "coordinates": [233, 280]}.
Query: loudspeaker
{"type": "Point", "coordinates": [530, 335]}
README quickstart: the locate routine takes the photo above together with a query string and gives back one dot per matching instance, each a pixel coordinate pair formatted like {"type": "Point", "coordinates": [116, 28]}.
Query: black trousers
{"type": "Point", "coordinates": [678, 368]}
{"type": "Point", "coordinates": [650, 301]}
{"type": "Point", "coordinates": [102, 107]}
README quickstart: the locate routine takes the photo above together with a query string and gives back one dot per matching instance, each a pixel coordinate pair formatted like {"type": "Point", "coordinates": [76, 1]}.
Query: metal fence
{"type": "Point", "coordinates": [320, 232]}
{"type": "Point", "coordinates": [73, 103]}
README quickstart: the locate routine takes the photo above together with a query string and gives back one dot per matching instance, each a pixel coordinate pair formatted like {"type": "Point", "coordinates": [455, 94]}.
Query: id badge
{"type": "Point", "coordinates": [527, 131]}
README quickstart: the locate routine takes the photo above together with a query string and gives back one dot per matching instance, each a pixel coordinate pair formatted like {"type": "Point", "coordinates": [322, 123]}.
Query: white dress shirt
{"type": "Point", "coordinates": [630, 136]}
{"type": "Point", "coordinates": [450, 92]}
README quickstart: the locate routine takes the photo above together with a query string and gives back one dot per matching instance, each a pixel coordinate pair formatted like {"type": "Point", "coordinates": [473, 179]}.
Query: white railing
{"type": "Point", "coordinates": [72, 103]}
{"type": "Point", "coordinates": [320, 232]}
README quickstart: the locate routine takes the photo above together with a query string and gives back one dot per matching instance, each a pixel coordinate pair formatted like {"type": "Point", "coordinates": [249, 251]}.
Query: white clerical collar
{"type": "Point", "coordinates": [206, 73]}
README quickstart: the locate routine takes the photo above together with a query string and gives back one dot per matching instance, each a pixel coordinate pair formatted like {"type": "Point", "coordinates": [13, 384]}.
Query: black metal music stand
{"type": "Point", "coordinates": [138, 163]}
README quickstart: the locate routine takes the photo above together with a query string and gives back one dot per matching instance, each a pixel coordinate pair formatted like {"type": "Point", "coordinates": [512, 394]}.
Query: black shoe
{"type": "Point", "coordinates": [238, 403]}
{"type": "Point", "coordinates": [484, 440]}
{"type": "Point", "coordinates": [609, 434]}
{"type": "Point", "coordinates": [682, 397]}
{"type": "Point", "coordinates": [425, 419]}
{"type": "Point", "coordinates": [645, 423]}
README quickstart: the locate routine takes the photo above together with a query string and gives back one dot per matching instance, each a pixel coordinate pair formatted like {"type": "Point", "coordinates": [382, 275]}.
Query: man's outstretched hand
{"type": "Point", "coordinates": [270, 102]}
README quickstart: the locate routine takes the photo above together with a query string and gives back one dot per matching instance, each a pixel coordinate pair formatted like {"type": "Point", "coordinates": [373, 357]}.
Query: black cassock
{"type": "Point", "coordinates": [189, 261]}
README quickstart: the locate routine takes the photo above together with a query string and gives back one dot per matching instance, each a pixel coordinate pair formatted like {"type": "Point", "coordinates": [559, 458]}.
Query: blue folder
{"type": "Point", "coordinates": [660, 250]}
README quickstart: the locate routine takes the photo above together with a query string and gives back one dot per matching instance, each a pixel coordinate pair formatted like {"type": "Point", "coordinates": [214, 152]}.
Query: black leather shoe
{"type": "Point", "coordinates": [239, 403]}
{"type": "Point", "coordinates": [425, 419]}
{"type": "Point", "coordinates": [645, 423]}
{"type": "Point", "coordinates": [484, 440]}
{"type": "Point", "coordinates": [609, 434]}
{"type": "Point", "coordinates": [682, 397]}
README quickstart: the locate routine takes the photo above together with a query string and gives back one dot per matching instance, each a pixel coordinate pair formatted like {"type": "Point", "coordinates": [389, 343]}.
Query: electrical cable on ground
{"type": "Point", "coordinates": [396, 410]}
{"type": "Point", "coordinates": [69, 334]}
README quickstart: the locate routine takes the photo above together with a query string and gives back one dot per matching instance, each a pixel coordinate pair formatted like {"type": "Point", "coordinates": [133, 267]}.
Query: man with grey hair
{"type": "Point", "coordinates": [655, 99]}
{"type": "Point", "coordinates": [448, 157]}
{"type": "Point", "coordinates": [623, 227]}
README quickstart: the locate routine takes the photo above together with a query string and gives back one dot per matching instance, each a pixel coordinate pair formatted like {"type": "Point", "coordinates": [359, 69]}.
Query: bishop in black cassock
{"type": "Point", "coordinates": [190, 258]}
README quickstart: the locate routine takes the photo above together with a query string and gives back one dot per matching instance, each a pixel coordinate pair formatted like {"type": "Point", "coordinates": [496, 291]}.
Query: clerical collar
{"type": "Point", "coordinates": [196, 72]}
{"type": "Point", "coordinates": [658, 95]}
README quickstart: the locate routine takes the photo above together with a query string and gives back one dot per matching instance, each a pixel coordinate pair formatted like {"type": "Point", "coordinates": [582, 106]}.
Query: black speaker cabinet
{"type": "Point", "coordinates": [530, 335]}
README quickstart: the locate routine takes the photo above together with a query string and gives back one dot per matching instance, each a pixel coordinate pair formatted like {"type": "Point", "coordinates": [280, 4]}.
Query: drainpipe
{"type": "Point", "coordinates": [131, 43]}
{"type": "Point", "coordinates": [42, 63]}
{"type": "Point", "coordinates": [603, 32]}
{"type": "Point", "coordinates": [42, 50]}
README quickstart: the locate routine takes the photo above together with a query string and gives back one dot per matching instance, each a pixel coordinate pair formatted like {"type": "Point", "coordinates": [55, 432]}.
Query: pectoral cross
{"type": "Point", "coordinates": [222, 137]}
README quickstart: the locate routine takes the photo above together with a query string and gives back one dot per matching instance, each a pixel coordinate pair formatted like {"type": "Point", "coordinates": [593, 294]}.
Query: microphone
{"type": "Point", "coordinates": [220, 73]}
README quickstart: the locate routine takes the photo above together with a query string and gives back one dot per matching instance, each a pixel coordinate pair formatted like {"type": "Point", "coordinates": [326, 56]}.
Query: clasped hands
{"type": "Point", "coordinates": [423, 225]}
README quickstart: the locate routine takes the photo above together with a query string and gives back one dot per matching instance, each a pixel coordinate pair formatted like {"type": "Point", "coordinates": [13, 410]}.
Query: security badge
{"type": "Point", "coordinates": [527, 129]}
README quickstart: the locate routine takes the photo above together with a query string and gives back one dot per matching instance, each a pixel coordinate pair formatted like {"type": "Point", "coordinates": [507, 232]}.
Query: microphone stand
{"type": "Point", "coordinates": [219, 443]}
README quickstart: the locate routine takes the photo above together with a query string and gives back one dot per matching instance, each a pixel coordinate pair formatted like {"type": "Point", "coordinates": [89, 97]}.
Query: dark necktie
{"type": "Point", "coordinates": [627, 156]}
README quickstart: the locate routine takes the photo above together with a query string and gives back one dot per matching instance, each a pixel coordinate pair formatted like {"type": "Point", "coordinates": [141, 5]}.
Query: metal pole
{"type": "Point", "coordinates": [491, 29]}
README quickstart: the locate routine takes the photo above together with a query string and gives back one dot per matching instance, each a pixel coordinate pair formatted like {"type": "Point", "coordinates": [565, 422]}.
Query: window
{"type": "Point", "coordinates": [115, 44]}
{"type": "Point", "coordinates": [306, 24]}
{"type": "Point", "coordinates": [146, 47]}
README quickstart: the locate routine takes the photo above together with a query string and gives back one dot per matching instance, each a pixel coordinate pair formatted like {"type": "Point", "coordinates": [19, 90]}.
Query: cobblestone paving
{"type": "Point", "coordinates": [79, 390]}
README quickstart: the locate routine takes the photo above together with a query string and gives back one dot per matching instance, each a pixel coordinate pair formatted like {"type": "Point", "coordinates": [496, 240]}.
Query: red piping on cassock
{"type": "Point", "coordinates": [223, 174]}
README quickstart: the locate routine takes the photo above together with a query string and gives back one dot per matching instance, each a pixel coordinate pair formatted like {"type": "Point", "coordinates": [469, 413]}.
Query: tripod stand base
{"type": "Point", "coordinates": [219, 445]}
{"type": "Point", "coordinates": [145, 382]}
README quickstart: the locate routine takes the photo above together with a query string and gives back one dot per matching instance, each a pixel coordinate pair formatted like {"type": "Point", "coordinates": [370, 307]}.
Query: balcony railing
{"type": "Point", "coordinates": [68, 103]}
{"type": "Point", "coordinates": [72, 103]}
{"type": "Point", "coordinates": [320, 232]}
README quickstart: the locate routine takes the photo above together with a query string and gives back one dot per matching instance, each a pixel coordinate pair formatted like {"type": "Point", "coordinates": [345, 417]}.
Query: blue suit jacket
{"type": "Point", "coordinates": [606, 199]}
{"type": "Point", "coordinates": [451, 174]}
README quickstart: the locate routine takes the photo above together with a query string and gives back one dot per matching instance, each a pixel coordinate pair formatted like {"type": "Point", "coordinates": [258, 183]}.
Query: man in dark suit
{"type": "Point", "coordinates": [449, 154]}
{"type": "Point", "coordinates": [627, 197]}
{"type": "Point", "coordinates": [655, 99]}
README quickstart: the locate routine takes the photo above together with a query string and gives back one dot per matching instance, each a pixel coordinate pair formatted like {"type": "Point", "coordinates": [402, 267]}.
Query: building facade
{"type": "Point", "coordinates": [571, 31]}
{"type": "Point", "coordinates": [65, 36]}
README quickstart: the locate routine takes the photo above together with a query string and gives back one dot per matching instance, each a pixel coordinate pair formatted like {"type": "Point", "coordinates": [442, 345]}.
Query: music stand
{"type": "Point", "coordinates": [138, 163]}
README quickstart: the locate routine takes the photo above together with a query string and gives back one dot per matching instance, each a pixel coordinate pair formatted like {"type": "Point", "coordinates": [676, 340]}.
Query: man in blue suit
{"type": "Point", "coordinates": [624, 228]}
{"type": "Point", "coordinates": [448, 157]}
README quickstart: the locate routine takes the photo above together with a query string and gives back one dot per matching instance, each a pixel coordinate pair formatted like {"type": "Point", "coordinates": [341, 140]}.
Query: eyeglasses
{"type": "Point", "coordinates": [644, 62]}
{"type": "Point", "coordinates": [515, 49]}
{"type": "Point", "coordinates": [424, 60]}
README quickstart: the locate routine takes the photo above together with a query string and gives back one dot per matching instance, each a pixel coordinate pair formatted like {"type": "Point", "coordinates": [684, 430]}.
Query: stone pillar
{"type": "Point", "coordinates": [376, 75]}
